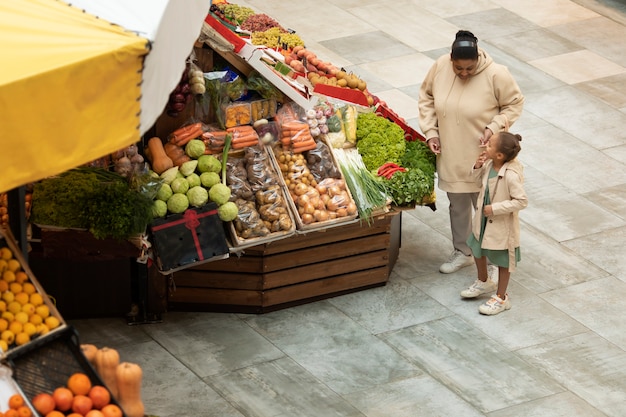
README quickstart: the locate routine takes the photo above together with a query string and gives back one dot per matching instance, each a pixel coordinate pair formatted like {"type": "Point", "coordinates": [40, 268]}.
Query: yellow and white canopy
{"type": "Point", "coordinates": [80, 81]}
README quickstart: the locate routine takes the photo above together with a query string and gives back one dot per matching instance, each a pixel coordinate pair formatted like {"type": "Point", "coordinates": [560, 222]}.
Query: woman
{"type": "Point", "coordinates": [464, 99]}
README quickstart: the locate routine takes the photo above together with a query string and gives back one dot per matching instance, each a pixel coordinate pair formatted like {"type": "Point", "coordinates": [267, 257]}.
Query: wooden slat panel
{"type": "Point", "coordinates": [216, 296]}
{"type": "Point", "coordinates": [219, 279]}
{"type": "Point", "coordinates": [325, 269]}
{"type": "Point", "coordinates": [325, 252]}
{"type": "Point", "coordinates": [325, 286]}
{"type": "Point", "coordinates": [245, 263]}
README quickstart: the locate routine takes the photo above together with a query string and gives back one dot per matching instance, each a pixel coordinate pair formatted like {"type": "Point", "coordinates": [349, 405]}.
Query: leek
{"type": "Point", "coordinates": [368, 192]}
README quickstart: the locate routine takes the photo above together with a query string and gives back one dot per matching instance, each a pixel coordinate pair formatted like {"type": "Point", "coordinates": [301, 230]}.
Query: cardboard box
{"type": "Point", "coordinates": [193, 237]}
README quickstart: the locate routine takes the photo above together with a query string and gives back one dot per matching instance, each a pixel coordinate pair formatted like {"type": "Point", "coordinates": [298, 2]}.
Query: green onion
{"type": "Point", "coordinates": [368, 192]}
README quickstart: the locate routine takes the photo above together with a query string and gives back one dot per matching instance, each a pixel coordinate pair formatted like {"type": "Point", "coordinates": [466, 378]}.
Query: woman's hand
{"type": "Point", "coordinates": [434, 145]}
{"type": "Point", "coordinates": [487, 210]}
{"type": "Point", "coordinates": [485, 137]}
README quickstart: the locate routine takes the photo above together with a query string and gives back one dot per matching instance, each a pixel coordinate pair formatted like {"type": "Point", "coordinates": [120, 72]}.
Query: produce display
{"type": "Point", "coordinates": [262, 210]}
{"type": "Point", "coordinates": [16, 406]}
{"type": "Point", "coordinates": [25, 311]}
{"type": "Point", "coordinates": [316, 202]}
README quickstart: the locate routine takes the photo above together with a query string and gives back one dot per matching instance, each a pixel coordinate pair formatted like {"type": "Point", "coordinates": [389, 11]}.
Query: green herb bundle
{"type": "Point", "coordinates": [95, 199]}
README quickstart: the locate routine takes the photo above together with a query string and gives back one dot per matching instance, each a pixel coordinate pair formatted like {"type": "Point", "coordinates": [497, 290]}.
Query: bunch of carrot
{"type": "Point", "coordinates": [296, 135]}
{"type": "Point", "coordinates": [243, 136]}
{"type": "Point", "coordinates": [214, 141]}
{"type": "Point", "coordinates": [184, 134]}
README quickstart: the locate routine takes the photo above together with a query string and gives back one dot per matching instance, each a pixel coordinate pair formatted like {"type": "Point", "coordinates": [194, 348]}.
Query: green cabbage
{"type": "Point", "coordinates": [219, 193]}
{"type": "Point", "coordinates": [193, 180]}
{"type": "Point", "coordinates": [228, 211]}
{"type": "Point", "coordinates": [209, 179]}
{"type": "Point", "coordinates": [164, 193]}
{"type": "Point", "coordinates": [198, 196]}
{"type": "Point", "coordinates": [209, 163]}
{"type": "Point", "coordinates": [169, 175]}
{"type": "Point", "coordinates": [180, 185]}
{"type": "Point", "coordinates": [159, 208]}
{"type": "Point", "coordinates": [177, 203]}
{"type": "Point", "coordinates": [195, 148]}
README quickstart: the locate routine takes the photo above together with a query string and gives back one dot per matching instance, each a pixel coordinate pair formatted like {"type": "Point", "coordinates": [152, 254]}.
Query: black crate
{"type": "Point", "coordinates": [193, 237]}
{"type": "Point", "coordinates": [47, 363]}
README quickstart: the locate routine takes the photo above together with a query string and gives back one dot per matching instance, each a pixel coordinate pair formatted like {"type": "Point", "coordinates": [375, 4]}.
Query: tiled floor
{"type": "Point", "coordinates": [413, 347]}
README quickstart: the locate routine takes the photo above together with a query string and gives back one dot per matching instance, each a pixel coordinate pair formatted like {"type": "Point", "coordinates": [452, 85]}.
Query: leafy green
{"type": "Point", "coordinates": [418, 155]}
{"type": "Point", "coordinates": [379, 140]}
{"type": "Point", "coordinates": [94, 199]}
{"type": "Point", "coordinates": [410, 186]}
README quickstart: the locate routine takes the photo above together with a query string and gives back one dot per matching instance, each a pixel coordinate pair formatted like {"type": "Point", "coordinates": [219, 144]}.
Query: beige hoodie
{"type": "Point", "coordinates": [457, 113]}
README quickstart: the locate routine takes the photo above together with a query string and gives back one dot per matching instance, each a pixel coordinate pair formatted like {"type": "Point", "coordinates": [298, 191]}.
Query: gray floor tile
{"type": "Point", "coordinates": [465, 360]}
{"type": "Point", "coordinates": [170, 389]}
{"type": "Point", "coordinates": [535, 44]}
{"type": "Point", "coordinates": [118, 332]}
{"type": "Point", "coordinates": [332, 347]}
{"type": "Point", "coordinates": [548, 265]}
{"type": "Point", "coordinates": [493, 23]}
{"type": "Point", "coordinates": [554, 153]}
{"type": "Point", "coordinates": [611, 90]}
{"type": "Point", "coordinates": [587, 365]}
{"type": "Point", "coordinates": [280, 388]}
{"type": "Point", "coordinates": [580, 115]}
{"type": "Point", "coordinates": [367, 47]}
{"type": "Point", "coordinates": [604, 250]}
{"type": "Point", "coordinates": [212, 343]}
{"type": "Point", "coordinates": [561, 213]}
{"type": "Point", "coordinates": [563, 404]}
{"type": "Point", "coordinates": [611, 198]}
{"type": "Point", "coordinates": [394, 306]}
{"type": "Point", "coordinates": [597, 34]}
{"type": "Point", "coordinates": [419, 396]}
{"type": "Point", "coordinates": [594, 304]}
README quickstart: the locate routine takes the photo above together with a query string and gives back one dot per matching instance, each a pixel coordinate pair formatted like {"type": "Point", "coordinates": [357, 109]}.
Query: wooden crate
{"type": "Point", "coordinates": [295, 270]}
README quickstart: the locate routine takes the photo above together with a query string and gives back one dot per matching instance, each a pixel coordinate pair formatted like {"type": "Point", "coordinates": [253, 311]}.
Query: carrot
{"type": "Point", "coordinates": [241, 145]}
{"type": "Point", "coordinates": [305, 147]}
{"type": "Point", "coordinates": [185, 133]}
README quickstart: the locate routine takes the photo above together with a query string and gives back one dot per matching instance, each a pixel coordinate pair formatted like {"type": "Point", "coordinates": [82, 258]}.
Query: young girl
{"type": "Point", "coordinates": [495, 229]}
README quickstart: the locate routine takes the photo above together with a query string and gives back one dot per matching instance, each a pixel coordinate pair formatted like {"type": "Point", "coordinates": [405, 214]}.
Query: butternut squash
{"type": "Point", "coordinates": [89, 351]}
{"type": "Point", "coordinates": [107, 359]}
{"type": "Point", "coordinates": [160, 161]}
{"type": "Point", "coordinates": [128, 376]}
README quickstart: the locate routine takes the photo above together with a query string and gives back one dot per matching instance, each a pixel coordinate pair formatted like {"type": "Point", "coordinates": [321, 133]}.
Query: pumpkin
{"type": "Point", "coordinates": [107, 360]}
{"type": "Point", "coordinates": [160, 161]}
{"type": "Point", "coordinates": [128, 376]}
{"type": "Point", "coordinates": [176, 154]}
{"type": "Point", "coordinates": [89, 351]}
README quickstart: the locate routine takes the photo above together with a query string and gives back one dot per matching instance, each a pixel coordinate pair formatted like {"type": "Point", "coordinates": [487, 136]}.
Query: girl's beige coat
{"type": "Point", "coordinates": [507, 199]}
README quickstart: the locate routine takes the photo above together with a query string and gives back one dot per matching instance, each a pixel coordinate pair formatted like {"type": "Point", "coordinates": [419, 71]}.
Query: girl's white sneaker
{"type": "Point", "coordinates": [495, 305]}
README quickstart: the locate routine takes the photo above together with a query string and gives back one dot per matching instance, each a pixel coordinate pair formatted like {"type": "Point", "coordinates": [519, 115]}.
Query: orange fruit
{"type": "Point", "coordinates": [79, 383]}
{"type": "Point", "coordinates": [16, 401]}
{"type": "Point", "coordinates": [74, 415]}
{"type": "Point", "coordinates": [21, 277]}
{"type": "Point", "coordinates": [82, 404]}
{"type": "Point", "coordinates": [94, 413]}
{"type": "Point", "coordinates": [63, 398]}
{"type": "Point", "coordinates": [100, 396]}
{"type": "Point", "coordinates": [24, 411]}
{"type": "Point", "coordinates": [11, 413]}
{"type": "Point", "coordinates": [43, 403]}
{"type": "Point", "coordinates": [111, 410]}
{"type": "Point", "coordinates": [55, 413]}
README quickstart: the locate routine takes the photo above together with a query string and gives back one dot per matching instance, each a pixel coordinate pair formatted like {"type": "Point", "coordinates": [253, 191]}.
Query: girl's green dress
{"type": "Point", "coordinates": [498, 257]}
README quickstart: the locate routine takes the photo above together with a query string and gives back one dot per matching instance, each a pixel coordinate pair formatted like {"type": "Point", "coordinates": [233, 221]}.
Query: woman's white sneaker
{"type": "Point", "coordinates": [479, 288]}
{"type": "Point", "coordinates": [495, 305]}
{"type": "Point", "coordinates": [457, 261]}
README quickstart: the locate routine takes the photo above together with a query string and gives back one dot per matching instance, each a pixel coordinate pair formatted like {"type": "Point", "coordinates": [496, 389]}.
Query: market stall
{"type": "Point", "coordinates": [254, 176]}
